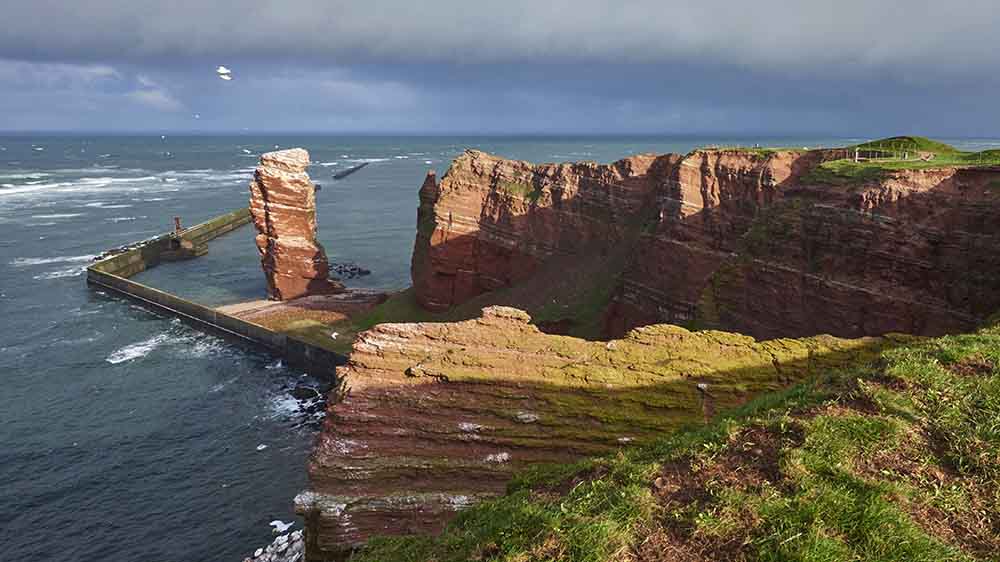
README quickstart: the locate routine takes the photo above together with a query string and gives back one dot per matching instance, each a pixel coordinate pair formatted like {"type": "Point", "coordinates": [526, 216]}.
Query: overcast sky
{"type": "Point", "coordinates": [843, 67]}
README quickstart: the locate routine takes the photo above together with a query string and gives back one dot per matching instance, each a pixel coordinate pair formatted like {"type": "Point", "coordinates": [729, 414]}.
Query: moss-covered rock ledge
{"type": "Point", "coordinates": [886, 460]}
{"type": "Point", "coordinates": [439, 416]}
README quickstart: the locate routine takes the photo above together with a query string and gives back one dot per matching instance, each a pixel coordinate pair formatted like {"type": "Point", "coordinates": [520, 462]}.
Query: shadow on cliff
{"type": "Point", "coordinates": [586, 241]}
{"type": "Point", "coordinates": [865, 260]}
{"type": "Point", "coordinates": [413, 437]}
{"type": "Point", "coordinates": [779, 260]}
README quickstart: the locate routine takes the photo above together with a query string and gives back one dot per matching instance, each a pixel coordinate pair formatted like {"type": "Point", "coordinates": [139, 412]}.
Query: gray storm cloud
{"type": "Point", "coordinates": [844, 34]}
{"type": "Point", "coordinates": [847, 66]}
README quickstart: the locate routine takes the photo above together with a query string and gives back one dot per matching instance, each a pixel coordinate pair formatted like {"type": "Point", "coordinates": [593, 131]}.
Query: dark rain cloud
{"type": "Point", "coordinates": [848, 67]}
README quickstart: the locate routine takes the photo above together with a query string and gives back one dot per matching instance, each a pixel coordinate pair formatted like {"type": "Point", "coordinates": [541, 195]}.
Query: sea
{"type": "Point", "coordinates": [127, 436]}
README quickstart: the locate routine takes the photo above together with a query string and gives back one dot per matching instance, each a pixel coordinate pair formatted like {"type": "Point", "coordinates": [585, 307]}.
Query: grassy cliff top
{"type": "Point", "coordinates": [881, 157]}
{"type": "Point", "coordinates": [893, 460]}
{"type": "Point", "coordinates": [920, 144]}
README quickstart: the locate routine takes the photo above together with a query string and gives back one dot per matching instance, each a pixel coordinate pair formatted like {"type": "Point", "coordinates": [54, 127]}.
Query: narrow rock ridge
{"type": "Point", "coordinates": [438, 415]}
{"type": "Point", "coordinates": [735, 239]}
{"type": "Point", "coordinates": [283, 206]}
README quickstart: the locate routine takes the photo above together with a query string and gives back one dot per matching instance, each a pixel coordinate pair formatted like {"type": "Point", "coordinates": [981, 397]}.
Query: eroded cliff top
{"type": "Point", "coordinates": [291, 160]}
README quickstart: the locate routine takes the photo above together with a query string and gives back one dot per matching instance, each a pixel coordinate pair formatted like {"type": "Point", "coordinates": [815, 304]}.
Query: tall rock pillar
{"type": "Point", "coordinates": [283, 206]}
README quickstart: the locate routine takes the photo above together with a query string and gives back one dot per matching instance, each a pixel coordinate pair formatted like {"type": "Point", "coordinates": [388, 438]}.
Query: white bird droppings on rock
{"type": "Point", "coordinates": [526, 417]}
{"type": "Point", "coordinates": [469, 427]}
{"type": "Point", "coordinates": [498, 457]}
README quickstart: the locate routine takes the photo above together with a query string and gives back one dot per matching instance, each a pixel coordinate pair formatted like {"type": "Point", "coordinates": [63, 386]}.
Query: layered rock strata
{"type": "Point", "coordinates": [743, 240]}
{"type": "Point", "coordinates": [283, 207]}
{"type": "Point", "coordinates": [916, 251]}
{"type": "Point", "coordinates": [437, 416]}
{"type": "Point", "coordinates": [490, 222]}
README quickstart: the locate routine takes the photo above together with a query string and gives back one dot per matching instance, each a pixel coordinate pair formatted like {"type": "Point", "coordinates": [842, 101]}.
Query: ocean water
{"type": "Point", "coordinates": [126, 436]}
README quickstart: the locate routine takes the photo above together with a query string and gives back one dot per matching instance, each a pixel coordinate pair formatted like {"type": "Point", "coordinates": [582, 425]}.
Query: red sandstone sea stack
{"type": "Point", "coordinates": [283, 206]}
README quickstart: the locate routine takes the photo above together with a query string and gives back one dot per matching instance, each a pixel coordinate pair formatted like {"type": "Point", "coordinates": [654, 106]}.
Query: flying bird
{"type": "Point", "coordinates": [280, 526]}
{"type": "Point", "coordinates": [224, 73]}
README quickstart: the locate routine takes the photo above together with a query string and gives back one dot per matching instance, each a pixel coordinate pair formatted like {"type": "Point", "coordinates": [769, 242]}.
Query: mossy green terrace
{"type": "Point", "coordinates": [893, 457]}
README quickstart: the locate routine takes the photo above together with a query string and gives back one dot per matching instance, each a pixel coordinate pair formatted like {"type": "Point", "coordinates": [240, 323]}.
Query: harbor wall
{"type": "Point", "coordinates": [113, 272]}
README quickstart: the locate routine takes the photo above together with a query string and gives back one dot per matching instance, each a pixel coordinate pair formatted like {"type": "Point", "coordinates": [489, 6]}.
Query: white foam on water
{"type": "Point", "coordinates": [60, 273]}
{"type": "Point", "coordinates": [25, 262]}
{"type": "Point", "coordinates": [284, 406]}
{"type": "Point", "coordinates": [369, 160]}
{"type": "Point", "coordinates": [57, 216]}
{"type": "Point", "coordinates": [327, 164]}
{"type": "Point", "coordinates": [136, 350]}
{"type": "Point", "coordinates": [204, 346]}
{"type": "Point", "coordinates": [106, 183]}
{"type": "Point", "coordinates": [25, 176]}
{"type": "Point", "coordinates": [401, 157]}
{"type": "Point", "coordinates": [223, 384]}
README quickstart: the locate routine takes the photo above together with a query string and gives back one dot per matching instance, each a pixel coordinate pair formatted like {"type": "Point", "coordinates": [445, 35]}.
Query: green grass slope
{"type": "Point", "coordinates": [888, 156]}
{"type": "Point", "coordinates": [895, 460]}
{"type": "Point", "coordinates": [910, 143]}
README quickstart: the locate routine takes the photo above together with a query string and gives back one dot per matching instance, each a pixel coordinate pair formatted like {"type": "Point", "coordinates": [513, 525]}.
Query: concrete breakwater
{"type": "Point", "coordinates": [113, 274]}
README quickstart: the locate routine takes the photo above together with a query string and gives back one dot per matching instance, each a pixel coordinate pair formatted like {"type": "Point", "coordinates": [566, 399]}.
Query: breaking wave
{"type": "Point", "coordinates": [25, 262]}
{"type": "Point", "coordinates": [57, 216]}
{"type": "Point", "coordinates": [136, 350]}
{"type": "Point", "coordinates": [60, 273]}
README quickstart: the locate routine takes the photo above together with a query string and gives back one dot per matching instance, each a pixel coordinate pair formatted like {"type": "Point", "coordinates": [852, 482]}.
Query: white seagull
{"type": "Point", "coordinates": [280, 526]}
{"type": "Point", "coordinates": [224, 73]}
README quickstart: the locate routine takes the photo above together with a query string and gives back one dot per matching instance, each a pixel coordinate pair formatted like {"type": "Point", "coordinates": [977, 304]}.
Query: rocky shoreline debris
{"type": "Point", "coordinates": [288, 547]}
{"type": "Point", "coordinates": [311, 402]}
{"type": "Point", "coordinates": [348, 270]}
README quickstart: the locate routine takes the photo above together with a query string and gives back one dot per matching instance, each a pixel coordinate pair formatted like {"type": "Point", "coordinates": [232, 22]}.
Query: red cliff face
{"type": "Point", "coordinates": [490, 222]}
{"type": "Point", "coordinates": [734, 239]}
{"type": "Point", "coordinates": [283, 206]}
{"type": "Point", "coordinates": [704, 209]}
{"type": "Point", "coordinates": [437, 416]}
{"type": "Point", "coordinates": [916, 252]}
